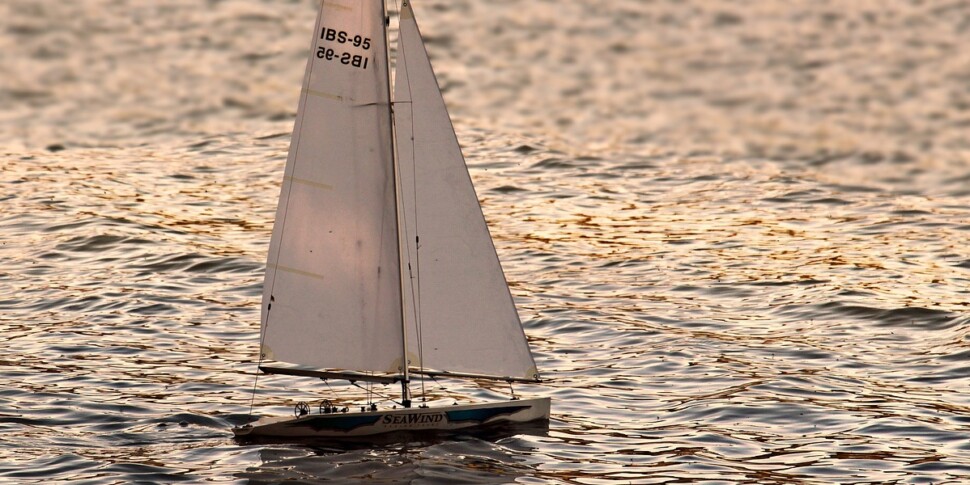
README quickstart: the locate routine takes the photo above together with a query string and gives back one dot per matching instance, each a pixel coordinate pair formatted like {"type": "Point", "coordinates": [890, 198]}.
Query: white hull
{"type": "Point", "coordinates": [370, 423]}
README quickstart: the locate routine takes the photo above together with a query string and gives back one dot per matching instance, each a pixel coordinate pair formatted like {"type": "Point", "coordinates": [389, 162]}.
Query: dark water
{"type": "Point", "coordinates": [736, 232]}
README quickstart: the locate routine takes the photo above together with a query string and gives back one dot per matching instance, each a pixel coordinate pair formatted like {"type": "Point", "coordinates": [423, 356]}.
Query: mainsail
{"type": "Point", "coordinates": [332, 295]}
{"type": "Point", "coordinates": [456, 296]}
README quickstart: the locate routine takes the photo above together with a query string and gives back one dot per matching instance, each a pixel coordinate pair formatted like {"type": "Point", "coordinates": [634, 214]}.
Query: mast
{"type": "Point", "coordinates": [405, 393]}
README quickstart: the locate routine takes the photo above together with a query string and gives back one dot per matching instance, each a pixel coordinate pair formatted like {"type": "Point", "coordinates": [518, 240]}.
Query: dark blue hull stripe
{"type": "Point", "coordinates": [481, 415]}
{"type": "Point", "coordinates": [339, 423]}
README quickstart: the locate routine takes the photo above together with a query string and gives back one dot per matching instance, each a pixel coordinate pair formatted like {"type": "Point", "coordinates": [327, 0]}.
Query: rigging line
{"type": "Point", "coordinates": [416, 286]}
{"type": "Point", "coordinates": [392, 182]}
{"type": "Point", "coordinates": [301, 109]}
{"type": "Point", "coordinates": [252, 398]}
{"type": "Point", "coordinates": [295, 140]}
{"type": "Point", "coordinates": [443, 388]}
{"type": "Point", "coordinates": [395, 159]}
{"type": "Point", "coordinates": [415, 311]}
{"type": "Point", "coordinates": [386, 398]}
{"type": "Point", "coordinates": [370, 389]}
{"type": "Point", "coordinates": [331, 388]}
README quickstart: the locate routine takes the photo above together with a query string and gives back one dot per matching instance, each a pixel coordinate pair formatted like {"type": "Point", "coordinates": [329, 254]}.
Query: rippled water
{"type": "Point", "coordinates": [736, 232]}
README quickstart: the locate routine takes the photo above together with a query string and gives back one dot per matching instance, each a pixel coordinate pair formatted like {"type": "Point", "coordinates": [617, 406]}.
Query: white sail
{"type": "Point", "coordinates": [331, 295]}
{"type": "Point", "coordinates": [468, 322]}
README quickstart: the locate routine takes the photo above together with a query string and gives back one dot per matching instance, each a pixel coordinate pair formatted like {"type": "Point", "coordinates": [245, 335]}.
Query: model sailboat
{"type": "Point", "coordinates": [381, 267]}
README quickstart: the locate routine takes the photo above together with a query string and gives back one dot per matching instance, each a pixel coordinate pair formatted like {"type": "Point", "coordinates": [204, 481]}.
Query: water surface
{"type": "Point", "coordinates": [735, 232]}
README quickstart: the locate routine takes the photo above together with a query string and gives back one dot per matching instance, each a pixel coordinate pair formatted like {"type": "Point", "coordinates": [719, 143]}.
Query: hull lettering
{"type": "Point", "coordinates": [415, 418]}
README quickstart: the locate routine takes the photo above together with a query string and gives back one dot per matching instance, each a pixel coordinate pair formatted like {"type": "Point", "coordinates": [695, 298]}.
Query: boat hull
{"type": "Point", "coordinates": [370, 423]}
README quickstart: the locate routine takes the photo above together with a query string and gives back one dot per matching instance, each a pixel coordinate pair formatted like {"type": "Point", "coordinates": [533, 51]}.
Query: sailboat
{"type": "Point", "coordinates": [381, 268]}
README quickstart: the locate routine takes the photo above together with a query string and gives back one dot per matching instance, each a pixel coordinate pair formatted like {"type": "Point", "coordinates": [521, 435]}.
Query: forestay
{"type": "Point", "coordinates": [468, 321]}
{"type": "Point", "coordinates": [332, 289]}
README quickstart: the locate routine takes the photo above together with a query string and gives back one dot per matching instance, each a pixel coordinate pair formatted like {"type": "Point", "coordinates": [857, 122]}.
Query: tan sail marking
{"type": "Point", "coordinates": [297, 271]}
{"type": "Point", "coordinates": [308, 182]}
{"type": "Point", "coordinates": [321, 94]}
{"type": "Point", "coordinates": [335, 5]}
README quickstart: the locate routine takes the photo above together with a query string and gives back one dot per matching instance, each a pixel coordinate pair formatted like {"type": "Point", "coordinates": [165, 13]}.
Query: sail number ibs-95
{"type": "Point", "coordinates": [344, 57]}
{"type": "Point", "coordinates": [342, 37]}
